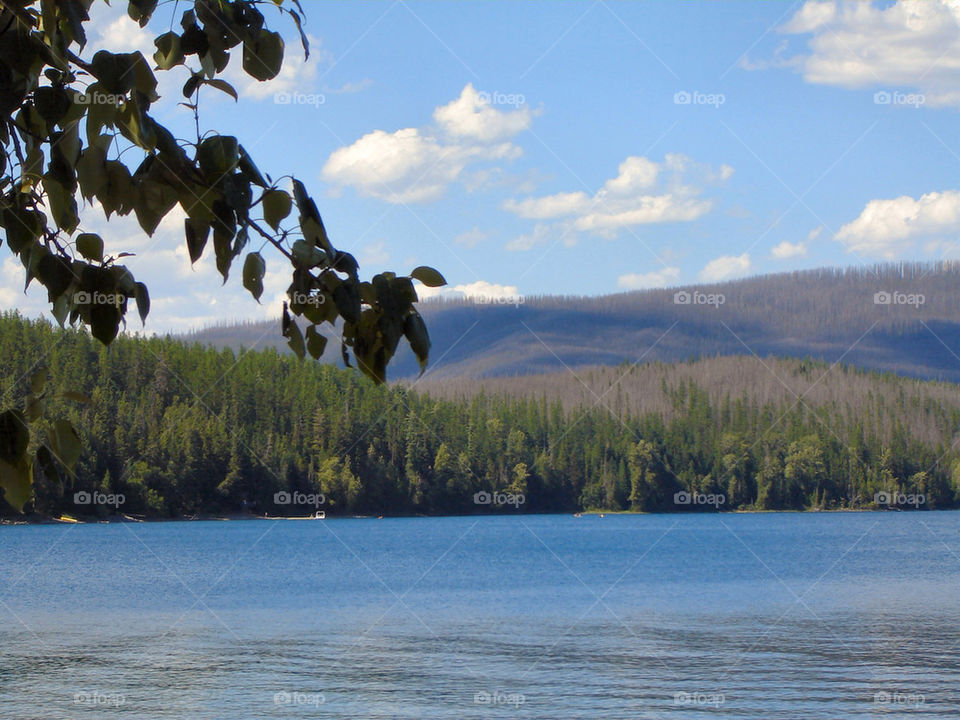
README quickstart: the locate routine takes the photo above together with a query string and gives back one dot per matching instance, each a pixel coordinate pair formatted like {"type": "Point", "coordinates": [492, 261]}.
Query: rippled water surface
{"type": "Point", "coordinates": [741, 616]}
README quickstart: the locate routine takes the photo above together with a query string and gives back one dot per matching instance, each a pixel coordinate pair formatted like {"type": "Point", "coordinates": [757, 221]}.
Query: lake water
{"type": "Point", "coordinates": [678, 616]}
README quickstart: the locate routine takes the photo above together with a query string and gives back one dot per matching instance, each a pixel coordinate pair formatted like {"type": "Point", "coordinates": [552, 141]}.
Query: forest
{"type": "Point", "coordinates": [177, 429]}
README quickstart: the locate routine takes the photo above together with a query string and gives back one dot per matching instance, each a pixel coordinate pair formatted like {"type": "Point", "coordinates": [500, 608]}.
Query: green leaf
{"type": "Point", "coordinates": [250, 170]}
{"type": "Point", "coordinates": [22, 226]}
{"type": "Point", "coordinates": [16, 479]}
{"type": "Point", "coordinates": [169, 53]}
{"type": "Point", "coordinates": [253, 270]}
{"type": "Point", "coordinates": [428, 276]}
{"type": "Point", "coordinates": [39, 380]}
{"type": "Point", "coordinates": [155, 201]}
{"type": "Point", "coordinates": [276, 207]}
{"type": "Point", "coordinates": [91, 171]}
{"type": "Point", "coordinates": [115, 71]}
{"type": "Point", "coordinates": [142, 297]}
{"type": "Point", "coordinates": [76, 397]}
{"type": "Point", "coordinates": [192, 83]}
{"type": "Point", "coordinates": [141, 10]}
{"type": "Point", "coordinates": [56, 275]}
{"type": "Point", "coordinates": [416, 333]}
{"type": "Point", "coordinates": [197, 233]}
{"type": "Point", "coordinates": [14, 436]}
{"type": "Point", "coordinates": [67, 446]}
{"type": "Point", "coordinates": [104, 322]}
{"type": "Point", "coordinates": [51, 102]}
{"type": "Point", "coordinates": [62, 204]}
{"type": "Point", "coordinates": [218, 155]}
{"type": "Point", "coordinates": [305, 255]}
{"type": "Point", "coordinates": [90, 246]}
{"type": "Point", "coordinates": [223, 86]}
{"type": "Point", "coordinates": [316, 342]}
{"type": "Point", "coordinates": [295, 340]}
{"type": "Point", "coordinates": [263, 57]}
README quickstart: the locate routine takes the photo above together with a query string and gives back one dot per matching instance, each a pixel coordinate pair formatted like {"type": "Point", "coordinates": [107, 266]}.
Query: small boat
{"type": "Point", "coordinates": [320, 515]}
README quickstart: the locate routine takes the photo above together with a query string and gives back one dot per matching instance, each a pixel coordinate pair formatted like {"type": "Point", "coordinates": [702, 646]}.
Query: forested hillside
{"type": "Point", "coordinates": [177, 429]}
{"type": "Point", "coordinates": [826, 314]}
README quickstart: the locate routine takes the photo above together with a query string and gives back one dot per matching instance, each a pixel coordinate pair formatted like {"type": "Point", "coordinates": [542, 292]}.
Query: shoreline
{"type": "Point", "coordinates": [599, 514]}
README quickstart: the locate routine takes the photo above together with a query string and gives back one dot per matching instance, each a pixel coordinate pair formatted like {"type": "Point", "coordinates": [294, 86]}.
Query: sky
{"type": "Point", "coordinates": [577, 148]}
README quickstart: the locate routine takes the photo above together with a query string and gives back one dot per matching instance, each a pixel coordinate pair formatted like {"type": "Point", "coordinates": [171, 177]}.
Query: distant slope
{"type": "Point", "coordinates": [825, 314]}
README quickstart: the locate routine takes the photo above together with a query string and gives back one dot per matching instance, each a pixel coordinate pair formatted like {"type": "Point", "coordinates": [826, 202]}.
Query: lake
{"type": "Point", "coordinates": [780, 615]}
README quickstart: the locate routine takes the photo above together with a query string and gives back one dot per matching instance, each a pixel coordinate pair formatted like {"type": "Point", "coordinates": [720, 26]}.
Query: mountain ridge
{"type": "Point", "coordinates": [899, 318]}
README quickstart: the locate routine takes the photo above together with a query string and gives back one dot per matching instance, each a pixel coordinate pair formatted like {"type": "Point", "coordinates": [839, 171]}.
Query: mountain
{"type": "Point", "coordinates": [901, 318]}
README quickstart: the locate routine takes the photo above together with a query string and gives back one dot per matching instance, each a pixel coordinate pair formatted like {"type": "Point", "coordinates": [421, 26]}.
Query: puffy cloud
{"type": "Point", "coordinates": [417, 165]}
{"type": "Point", "coordinates": [886, 228]}
{"type": "Point", "coordinates": [643, 192]}
{"type": "Point", "coordinates": [549, 206]}
{"type": "Point", "coordinates": [635, 174]}
{"type": "Point", "coordinates": [656, 279]}
{"type": "Point", "coordinates": [544, 233]}
{"type": "Point", "coordinates": [479, 290]}
{"type": "Point", "coordinates": [725, 268]}
{"type": "Point", "coordinates": [470, 238]}
{"type": "Point", "coordinates": [471, 116]}
{"type": "Point", "coordinates": [913, 43]}
{"type": "Point", "coordinates": [787, 250]}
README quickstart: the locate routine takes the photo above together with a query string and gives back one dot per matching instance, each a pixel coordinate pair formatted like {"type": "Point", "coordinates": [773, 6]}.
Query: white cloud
{"type": "Point", "coordinates": [481, 289]}
{"type": "Point", "coordinates": [543, 234]}
{"type": "Point", "coordinates": [886, 228]}
{"type": "Point", "coordinates": [374, 254]}
{"type": "Point", "coordinates": [472, 117]}
{"type": "Point", "coordinates": [725, 268]}
{"type": "Point", "coordinates": [119, 33]}
{"type": "Point", "coordinates": [787, 250]}
{"type": "Point", "coordinates": [417, 165]}
{"type": "Point", "coordinates": [297, 74]}
{"type": "Point", "coordinates": [549, 206]}
{"type": "Point", "coordinates": [470, 238]}
{"type": "Point", "coordinates": [815, 233]}
{"type": "Point", "coordinates": [643, 192]}
{"type": "Point", "coordinates": [862, 44]}
{"type": "Point", "coordinates": [656, 279]}
{"type": "Point", "coordinates": [635, 174]}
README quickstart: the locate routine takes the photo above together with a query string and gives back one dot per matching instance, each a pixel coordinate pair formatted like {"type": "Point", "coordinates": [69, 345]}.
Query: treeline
{"type": "Point", "coordinates": [176, 429]}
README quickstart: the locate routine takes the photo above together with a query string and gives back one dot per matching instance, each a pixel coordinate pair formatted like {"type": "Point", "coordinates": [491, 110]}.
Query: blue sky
{"type": "Point", "coordinates": [584, 148]}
